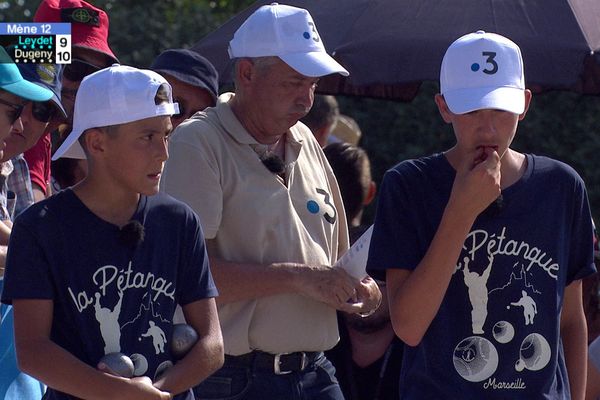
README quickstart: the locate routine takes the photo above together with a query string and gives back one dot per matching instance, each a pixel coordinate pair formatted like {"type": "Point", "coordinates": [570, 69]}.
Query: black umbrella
{"type": "Point", "coordinates": [391, 46]}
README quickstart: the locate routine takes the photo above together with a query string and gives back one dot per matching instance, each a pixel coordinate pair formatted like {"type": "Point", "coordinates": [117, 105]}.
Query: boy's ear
{"type": "Point", "coordinates": [94, 141]}
{"type": "Point", "coordinates": [528, 97]}
{"type": "Point", "coordinates": [443, 108]}
{"type": "Point", "coordinates": [371, 194]}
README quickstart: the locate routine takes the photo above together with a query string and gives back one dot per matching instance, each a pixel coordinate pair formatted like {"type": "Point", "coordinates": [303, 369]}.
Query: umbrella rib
{"type": "Point", "coordinates": [592, 46]}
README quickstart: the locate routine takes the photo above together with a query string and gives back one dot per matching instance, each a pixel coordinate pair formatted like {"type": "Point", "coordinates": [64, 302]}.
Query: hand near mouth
{"type": "Point", "coordinates": [483, 152]}
{"type": "Point", "coordinates": [477, 182]}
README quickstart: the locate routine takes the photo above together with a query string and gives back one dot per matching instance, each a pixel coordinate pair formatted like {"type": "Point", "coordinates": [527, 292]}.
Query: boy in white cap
{"type": "Point", "coordinates": [484, 247]}
{"type": "Point", "coordinates": [272, 214]}
{"type": "Point", "coordinates": [91, 268]}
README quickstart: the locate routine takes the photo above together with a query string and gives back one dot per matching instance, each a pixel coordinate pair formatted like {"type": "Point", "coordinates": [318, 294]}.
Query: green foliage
{"type": "Point", "coordinates": [140, 30]}
{"type": "Point", "coordinates": [564, 126]}
{"type": "Point", "coordinates": [561, 125]}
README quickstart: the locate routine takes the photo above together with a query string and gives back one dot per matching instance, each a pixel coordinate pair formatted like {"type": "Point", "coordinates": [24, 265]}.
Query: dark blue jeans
{"type": "Point", "coordinates": [315, 382]}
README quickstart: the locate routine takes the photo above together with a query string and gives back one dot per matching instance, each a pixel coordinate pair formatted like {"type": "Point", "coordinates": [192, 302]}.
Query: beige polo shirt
{"type": "Point", "coordinates": [254, 217]}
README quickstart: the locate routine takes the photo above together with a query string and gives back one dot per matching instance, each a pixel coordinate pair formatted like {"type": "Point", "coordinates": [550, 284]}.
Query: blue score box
{"type": "Point", "coordinates": [48, 43]}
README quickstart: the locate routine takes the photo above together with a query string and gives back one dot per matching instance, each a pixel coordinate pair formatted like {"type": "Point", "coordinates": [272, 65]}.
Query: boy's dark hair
{"type": "Point", "coordinates": [324, 111]}
{"type": "Point", "coordinates": [351, 167]}
{"type": "Point", "coordinates": [162, 94]}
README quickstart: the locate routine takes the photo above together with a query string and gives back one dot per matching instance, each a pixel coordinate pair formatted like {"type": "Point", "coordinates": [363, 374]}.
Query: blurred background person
{"type": "Point", "coordinates": [14, 91]}
{"type": "Point", "coordinates": [41, 117]}
{"type": "Point", "coordinates": [368, 356]}
{"type": "Point", "coordinates": [194, 80]}
{"type": "Point", "coordinates": [90, 53]}
{"type": "Point", "coordinates": [322, 117]}
{"type": "Point", "coordinates": [352, 170]}
{"type": "Point", "coordinates": [346, 130]}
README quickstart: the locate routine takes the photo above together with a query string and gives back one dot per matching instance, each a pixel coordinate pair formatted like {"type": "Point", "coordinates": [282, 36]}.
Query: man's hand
{"type": "Point", "coordinates": [332, 286]}
{"type": "Point", "coordinates": [368, 296]}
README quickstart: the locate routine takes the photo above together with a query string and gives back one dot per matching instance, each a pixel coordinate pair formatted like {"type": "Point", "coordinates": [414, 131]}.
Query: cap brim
{"type": "Point", "coordinates": [70, 148]}
{"type": "Point", "coordinates": [59, 105]}
{"type": "Point", "coordinates": [314, 64]}
{"type": "Point", "coordinates": [29, 91]}
{"type": "Point", "coordinates": [55, 100]}
{"type": "Point", "coordinates": [463, 101]}
{"type": "Point", "coordinates": [99, 47]}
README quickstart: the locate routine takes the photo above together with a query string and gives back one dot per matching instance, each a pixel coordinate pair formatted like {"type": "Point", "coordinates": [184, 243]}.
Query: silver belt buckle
{"type": "Point", "coordinates": [277, 363]}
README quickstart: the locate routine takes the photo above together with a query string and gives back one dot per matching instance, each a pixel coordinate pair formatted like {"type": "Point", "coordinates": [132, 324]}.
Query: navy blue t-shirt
{"type": "Point", "coordinates": [497, 332]}
{"type": "Point", "coordinates": [109, 296]}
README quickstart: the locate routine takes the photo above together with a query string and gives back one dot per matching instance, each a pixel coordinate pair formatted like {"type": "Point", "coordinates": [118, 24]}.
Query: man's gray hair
{"type": "Point", "coordinates": [262, 64]}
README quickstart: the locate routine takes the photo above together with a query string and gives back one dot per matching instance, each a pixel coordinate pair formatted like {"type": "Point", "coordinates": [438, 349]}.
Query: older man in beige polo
{"type": "Point", "coordinates": [272, 213]}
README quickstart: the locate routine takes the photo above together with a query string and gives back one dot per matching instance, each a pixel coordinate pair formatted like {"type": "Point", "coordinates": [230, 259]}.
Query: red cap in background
{"type": "Point", "coordinates": [89, 24]}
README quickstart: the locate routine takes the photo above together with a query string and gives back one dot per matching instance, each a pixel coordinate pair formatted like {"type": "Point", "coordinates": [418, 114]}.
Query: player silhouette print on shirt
{"type": "Point", "coordinates": [529, 307]}
{"type": "Point", "coordinates": [478, 294]}
{"type": "Point", "coordinates": [158, 337]}
{"type": "Point", "coordinates": [503, 278]}
{"type": "Point", "coordinates": [109, 324]}
{"type": "Point", "coordinates": [130, 311]}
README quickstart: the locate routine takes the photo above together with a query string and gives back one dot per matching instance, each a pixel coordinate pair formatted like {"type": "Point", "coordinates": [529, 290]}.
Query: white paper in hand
{"type": "Point", "coordinates": [354, 261]}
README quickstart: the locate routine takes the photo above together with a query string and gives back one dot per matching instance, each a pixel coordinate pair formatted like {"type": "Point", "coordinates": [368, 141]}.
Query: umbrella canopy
{"type": "Point", "coordinates": [391, 46]}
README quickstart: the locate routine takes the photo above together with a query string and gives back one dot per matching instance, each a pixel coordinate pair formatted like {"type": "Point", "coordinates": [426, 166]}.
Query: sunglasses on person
{"type": "Point", "coordinates": [43, 111]}
{"type": "Point", "coordinates": [18, 110]}
{"type": "Point", "coordinates": [79, 69]}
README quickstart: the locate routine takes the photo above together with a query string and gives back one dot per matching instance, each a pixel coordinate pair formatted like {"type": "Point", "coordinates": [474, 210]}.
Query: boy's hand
{"type": "Point", "coordinates": [477, 182]}
{"type": "Point", "coordinates": [141, 388]}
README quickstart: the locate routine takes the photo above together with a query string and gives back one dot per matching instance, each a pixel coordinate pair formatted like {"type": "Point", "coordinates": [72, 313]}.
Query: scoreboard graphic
{"type": "Point", "coordinates": [43, 43]}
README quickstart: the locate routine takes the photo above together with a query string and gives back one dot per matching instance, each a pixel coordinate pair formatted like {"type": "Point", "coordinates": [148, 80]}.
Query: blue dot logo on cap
{"type": "Point", "coordinates": [312, 206]}
{"type": "Point", "coordinates": [306, 35]}
{"type": "Point", "coordinates": [474, 67]}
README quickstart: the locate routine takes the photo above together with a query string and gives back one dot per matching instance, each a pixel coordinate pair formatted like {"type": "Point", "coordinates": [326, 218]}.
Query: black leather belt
{"type": "Point", "coordinates": [279, 364]}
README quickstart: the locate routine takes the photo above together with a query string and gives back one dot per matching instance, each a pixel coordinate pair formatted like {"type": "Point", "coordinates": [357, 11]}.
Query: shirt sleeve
{"type": "Point", "coordinates": [581, 254]}
{"type": "Point", "coordinates": [394, 240]}
{"type": "Point", "coordinates": [195, 281]}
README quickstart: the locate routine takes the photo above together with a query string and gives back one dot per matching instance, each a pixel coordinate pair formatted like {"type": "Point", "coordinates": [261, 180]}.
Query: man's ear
{"type": "Point", "coordinates": [443, 108]}
{"type": "Point", "coordinates": [245, 71]}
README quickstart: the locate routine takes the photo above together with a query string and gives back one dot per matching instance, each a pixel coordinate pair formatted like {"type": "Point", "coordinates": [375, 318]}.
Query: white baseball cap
{"type": "Point", "coordinates": [115, 95]}
{"type": "Point", "coordinates": [288, 33]}
{"type": "Point", "coordinates": [483, 70]}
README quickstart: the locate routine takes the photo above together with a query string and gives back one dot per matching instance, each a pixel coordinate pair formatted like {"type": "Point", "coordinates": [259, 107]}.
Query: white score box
{"type": "Point", "coordinates": [63, 49]}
